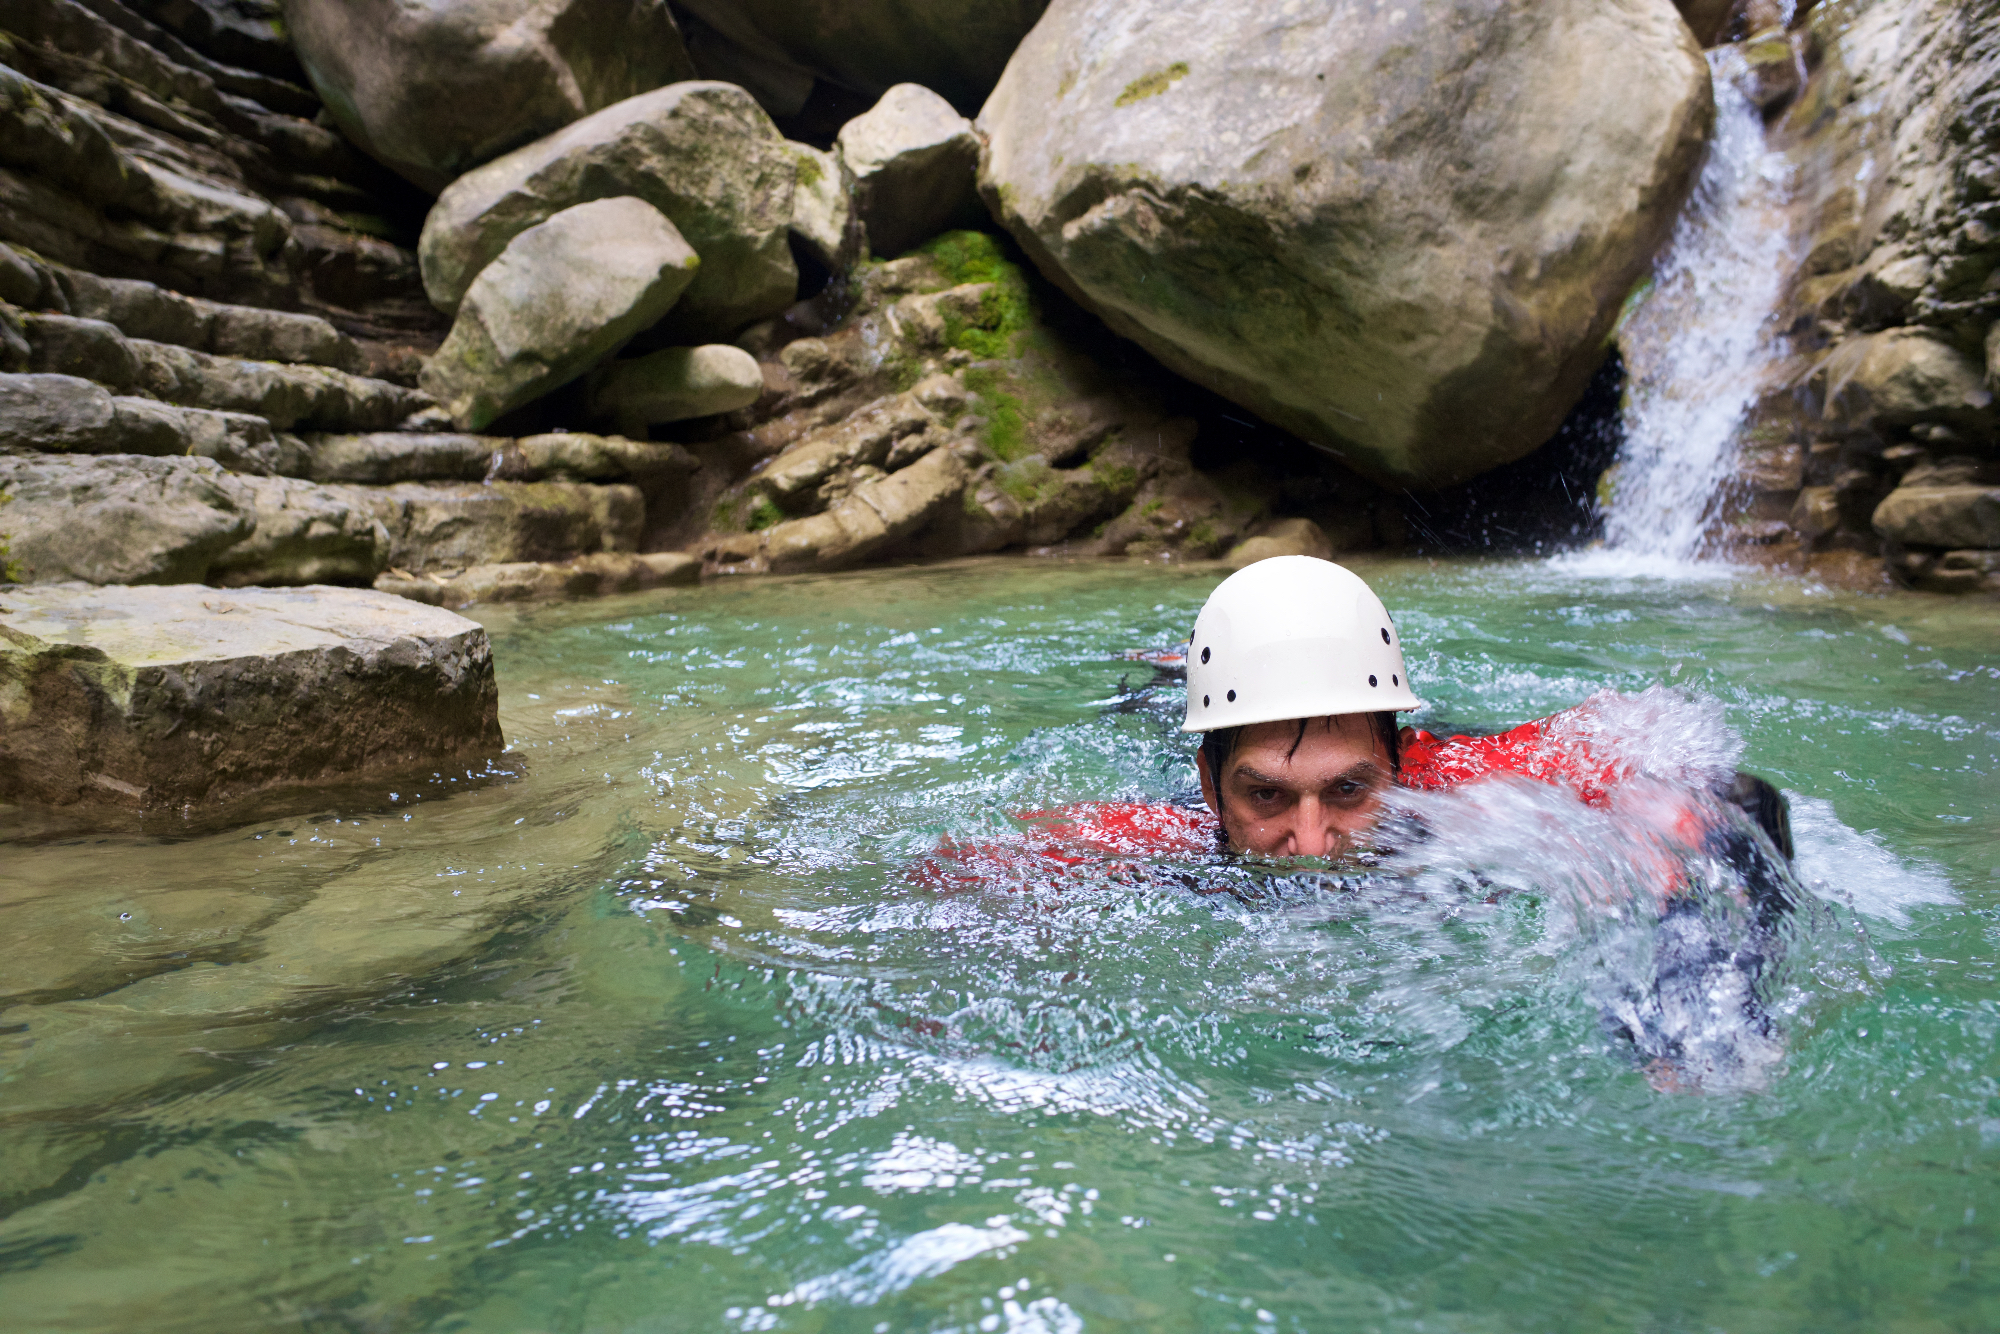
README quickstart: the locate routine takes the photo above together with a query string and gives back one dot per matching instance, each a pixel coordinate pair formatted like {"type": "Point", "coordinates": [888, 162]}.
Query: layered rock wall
{"type": "Point", "coordinates": [1885, 442]}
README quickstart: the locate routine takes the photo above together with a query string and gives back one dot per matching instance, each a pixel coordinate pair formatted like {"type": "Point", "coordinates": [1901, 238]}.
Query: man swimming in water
{"type": "Point", "coordinates": [1295, 675]}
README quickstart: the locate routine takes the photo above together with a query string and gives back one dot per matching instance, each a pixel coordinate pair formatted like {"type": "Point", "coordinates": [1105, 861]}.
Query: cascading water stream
{"type": "Point", "coordinates": [1701, 347]}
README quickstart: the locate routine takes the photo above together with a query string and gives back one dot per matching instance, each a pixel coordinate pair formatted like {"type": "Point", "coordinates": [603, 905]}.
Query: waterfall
{"type": "Point", "coordinates": [1702, 345]}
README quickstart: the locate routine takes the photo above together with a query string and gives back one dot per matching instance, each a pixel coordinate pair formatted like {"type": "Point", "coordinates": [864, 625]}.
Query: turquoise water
{"type": "Point", "coordinates": [656, 1032]}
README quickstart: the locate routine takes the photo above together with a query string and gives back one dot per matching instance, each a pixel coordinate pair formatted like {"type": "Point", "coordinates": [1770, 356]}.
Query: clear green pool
{"type": "Point", "coordinates": [657, 1035]}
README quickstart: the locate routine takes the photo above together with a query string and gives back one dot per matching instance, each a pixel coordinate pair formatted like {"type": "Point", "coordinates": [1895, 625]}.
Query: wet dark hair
{"type": "Point", "coordinates": [1219, 745]}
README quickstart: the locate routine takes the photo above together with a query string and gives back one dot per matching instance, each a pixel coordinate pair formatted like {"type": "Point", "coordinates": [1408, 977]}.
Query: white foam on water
{"type": "Point", "coordinates": [1700, 348]}
{"type": "Point", "coordinates": [1847, 866]}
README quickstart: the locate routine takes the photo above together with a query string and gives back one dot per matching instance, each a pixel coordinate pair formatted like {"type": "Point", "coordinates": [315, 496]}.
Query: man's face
{"type": "Point", "coordinates": [1284, 795]}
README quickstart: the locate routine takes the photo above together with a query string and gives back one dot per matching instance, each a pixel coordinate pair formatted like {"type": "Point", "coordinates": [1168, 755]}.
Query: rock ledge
{"type": "Point", "coordinates": [147, 698]}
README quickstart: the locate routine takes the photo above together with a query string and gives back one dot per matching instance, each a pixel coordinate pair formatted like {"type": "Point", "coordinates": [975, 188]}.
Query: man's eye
{"type": "Point", "coordinates": [1264, 794]}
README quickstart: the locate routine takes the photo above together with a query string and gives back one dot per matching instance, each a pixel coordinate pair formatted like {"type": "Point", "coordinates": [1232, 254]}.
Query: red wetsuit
{"type": "Point", "coordinates": [1555, 750]}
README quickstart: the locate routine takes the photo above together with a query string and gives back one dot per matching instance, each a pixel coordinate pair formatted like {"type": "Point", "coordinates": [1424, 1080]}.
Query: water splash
{"type": "Point", "coordinates": [1700, 348]}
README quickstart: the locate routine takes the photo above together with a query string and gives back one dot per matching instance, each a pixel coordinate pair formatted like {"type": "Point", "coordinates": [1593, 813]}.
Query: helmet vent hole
{"type": "Point", "coordinates": [1204, 701]}
{"type": "Point", "coordinates": [1371, 680]}
{"type": "Point", "coordinates": [1232, 697]}
{"type": "Point", "coordinates": [1204, 657]}
{"type": "Point", "coordinates": [1385, 634]}
{"type": "Point", "coordinates": [1395, 680]}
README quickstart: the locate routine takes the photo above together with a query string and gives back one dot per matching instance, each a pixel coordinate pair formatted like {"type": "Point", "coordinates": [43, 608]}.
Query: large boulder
{"type": "Point", "coordinates": [563, 295]}
{"type": "Point", "coordinates": [1401, 233]}
{"type": "Point", "coordinates": [168, 697]}
{"type": "Point", "coordinates": [913, 159]}
{"type": "Point", "coordinates": [121, 519]}
{"type": "Point", "coordinates": [704, 154]}
{"type": "Point", "coordinates": [1899, 378]}
{"type": "Point", "coordinates": [1966, 515]}
{"type": "Point", "coordinates": [433, 89]}
{"type": "Point", "coordinates": [777, 48]}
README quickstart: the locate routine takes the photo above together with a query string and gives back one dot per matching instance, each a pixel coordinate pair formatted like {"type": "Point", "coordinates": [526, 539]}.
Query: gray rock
{"type": "Point", "coordinates": [792, 480]}
{"type": "Point", "coordinates": [59, 414]}
{"type": "Point", "coordinates": [823, 218]}
{"type": "Point", "coordinates": [383, 457]}
{"type": "Point", "coordinates": [122, 519]}
{"type": "Point", "coordinates": [1941, 516]}
{"type": "Point", "coordinates": [143, 310]}
{"type": "Point", "coordinates": [674, 384]}
{"type": "Point", "coordinates": [563, 295]}
{"type": "Point", "coordinates": [456, 526]}
{"type": "Point", "coordinates": [875, 516]}
{"type": "Point", "coordinates": [434, 90]}
{"type": "Point", "coordinates": [704, 154]}
{"type": "Point", "coordinates": [288, 397]}
{"type": "Point", "coordinates": [306, 534]}
{"type": "Point", "coordinates": [913, 160]}
{"type": "Point", "coordinates": [600, 575]}
{"type": "Point", "coordinates": [1900, 378]}
{"type": "Point", "coordinates": [576, 456]}
{"type": "Point", "coordinates": [172, 697]}
{"type": "Point", "coordinates": [89, 349]}
{"type": "Point", "coordinates": [21, 282]}
{"type": "Point", "coordinates": [1400, 234]}
{"type": "Point", "coordinates": [777, 48]}
{"type": "Point", "coordinates": [62, 414]}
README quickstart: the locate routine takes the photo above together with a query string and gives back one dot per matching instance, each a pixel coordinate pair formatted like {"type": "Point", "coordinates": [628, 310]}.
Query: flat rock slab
{"type": "Point", "coordinates": [184, 695]}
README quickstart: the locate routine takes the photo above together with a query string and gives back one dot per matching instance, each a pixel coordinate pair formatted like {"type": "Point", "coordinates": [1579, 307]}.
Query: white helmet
{"type": "Point", "coordinates": [1292, 637]}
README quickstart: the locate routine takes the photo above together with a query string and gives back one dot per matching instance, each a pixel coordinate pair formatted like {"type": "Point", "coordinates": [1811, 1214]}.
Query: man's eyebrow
{"type": "Point", "coordinates": [1355, 770]}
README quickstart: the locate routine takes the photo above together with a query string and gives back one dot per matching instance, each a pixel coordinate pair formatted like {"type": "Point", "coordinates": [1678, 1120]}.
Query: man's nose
{"type": "Point", "coordinates": [1313, 834]}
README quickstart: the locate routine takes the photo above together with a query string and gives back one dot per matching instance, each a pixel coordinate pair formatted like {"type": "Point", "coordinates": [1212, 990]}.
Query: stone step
{"type": "Point", "coordinates": [287, 396]}
{"type": "Point", "coordinates": [64, 414]}
{"type": "Point", "coordinates": [166, 697]}
{"type": "Point", "coordinates": [384, 457]}
{"type": "Point", "coordinates": [129, 519]}
{"type": "Point", "coordinates": [601, 575]}
{"type": "Point", "coordinates": [145, 310]}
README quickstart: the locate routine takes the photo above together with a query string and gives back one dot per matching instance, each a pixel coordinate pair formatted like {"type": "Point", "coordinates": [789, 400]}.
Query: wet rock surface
{"type": "Point", "coordinates": [171, 696]}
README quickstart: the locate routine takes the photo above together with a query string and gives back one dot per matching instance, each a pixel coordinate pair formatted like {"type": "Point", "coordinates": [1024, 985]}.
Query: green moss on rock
{"type": "Point", "coordinates": [1152, 85]}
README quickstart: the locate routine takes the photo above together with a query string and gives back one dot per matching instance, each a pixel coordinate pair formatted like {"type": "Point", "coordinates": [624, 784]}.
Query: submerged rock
{"type": "Point", "coordinates": [913, 159]}
{"type": "Point", "coordinates": [704, 154]}
{"type": "Point", "coordinates": [563, 295]}
{"type": "Point", "coordinates": [433, 90]}
{"type": "Point", "coordinates": [185, 695]}
{"type": "Point", "coordinates": [1399, 234]}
